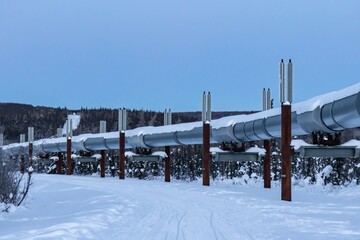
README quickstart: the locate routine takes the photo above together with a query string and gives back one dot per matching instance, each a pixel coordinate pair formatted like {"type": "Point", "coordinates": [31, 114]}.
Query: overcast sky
{"type": "Point", "coordinates": [163, 54]}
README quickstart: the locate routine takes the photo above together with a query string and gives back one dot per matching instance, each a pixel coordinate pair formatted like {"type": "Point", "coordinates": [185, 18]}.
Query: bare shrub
{"type": "Point", "coordinates": [14, 186]}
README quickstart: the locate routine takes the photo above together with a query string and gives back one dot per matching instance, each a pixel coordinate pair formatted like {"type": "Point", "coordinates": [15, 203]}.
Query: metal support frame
{"type": "Point", "coordinates": [68, 157]}
{"type": "Point", "coordinates": [206, 118]}
{"type": "Point", "coordinates": [167, 164]}
{"type": "Point", "coordinates": [30, 154]}
{"type": "Point", "coordinates": [286, 154]}
{"type": "Point", "coordinates": [102, 129]}
{"type": "Point", "coordinates": [206, 154]}
{"type": "Point", "coordinates": [122, 155]}
{"type": "Point", "coordinates": [59, 163]}
{"type": "Point", "coordinates": [167, 121]}
{"type": "Point", "coordinates": [102, 163]}
{"type": "Point", "coordinates": [267, 164]}
{"type": "Point", "coordinates": [122, 128]}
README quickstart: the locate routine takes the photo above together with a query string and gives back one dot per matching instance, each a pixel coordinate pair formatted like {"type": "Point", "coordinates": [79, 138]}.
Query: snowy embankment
{"type": "Point", "coordinates": [80, 207]}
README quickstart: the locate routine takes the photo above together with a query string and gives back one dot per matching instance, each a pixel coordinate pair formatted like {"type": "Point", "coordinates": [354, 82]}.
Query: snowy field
{"type": "Point", "coordinates": [87, 207]}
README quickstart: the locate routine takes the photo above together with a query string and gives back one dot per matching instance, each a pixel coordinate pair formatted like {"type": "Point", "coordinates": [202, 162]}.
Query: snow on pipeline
{"type": "Point", "coordinates": [88, 207]}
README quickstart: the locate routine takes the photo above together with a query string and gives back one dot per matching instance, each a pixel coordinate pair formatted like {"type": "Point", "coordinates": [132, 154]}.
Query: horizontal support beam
{"type": "Point", "coordinates": [328, 151]}
{"type": "Point", "coordinates": [145, 158]}
{"type": "Point", "coordinates": [237, 157]}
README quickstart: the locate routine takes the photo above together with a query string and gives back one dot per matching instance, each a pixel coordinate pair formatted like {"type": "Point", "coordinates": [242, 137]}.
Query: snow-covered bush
{"type": "Point", "coordinates": [14, 186]}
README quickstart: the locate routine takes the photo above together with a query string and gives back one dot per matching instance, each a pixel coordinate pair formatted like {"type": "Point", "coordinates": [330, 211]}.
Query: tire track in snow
{"type": "Point", "coordinates": [178, 226]}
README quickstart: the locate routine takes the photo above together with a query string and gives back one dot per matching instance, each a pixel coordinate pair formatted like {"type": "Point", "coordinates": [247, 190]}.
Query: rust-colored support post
{"type": "Point", "coordinates": [167, 164]}
{"type": "Point", "coordinates": [206, 154]}
{"type": "Point", "coordinates": [286, 152]}
{"type": "Point", "coordinates": [267, 171]}
{"type": "Point", "coordinates": [68, 157]}
{"type": "Point", "coordinates": [59, 163]}
{"type": "Point", "coordinates": [122, 155]}
{"type": "Point", "coordinates": [22, 164]}
{"type": "Point", "coordinates": [102, 164]}
{"type": "Point", "coordinates": [30, 154]}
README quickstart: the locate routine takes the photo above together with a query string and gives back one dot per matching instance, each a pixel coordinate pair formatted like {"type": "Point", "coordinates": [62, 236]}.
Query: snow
{"type": "Point", "coordinates": [97, 156]}
{"type": "Point", "coordinates": [215, 150]}
{"type": "Point", "coordinates": [128, 154]}
{"type": "Point", "coordinates": [90, 207]}
{"type": "Point", "coordinates": [75, 122]}
{"type": "Point", "coordinates": [161, 154]}
{"type": "Point", "coordinates": [256, 149]}
{"type": "Point", "coordinates": [298, 143]}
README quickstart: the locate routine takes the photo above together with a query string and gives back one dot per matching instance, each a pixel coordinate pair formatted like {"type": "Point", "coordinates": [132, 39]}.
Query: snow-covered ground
{"type": "Point", "coordinates": [88, 207]}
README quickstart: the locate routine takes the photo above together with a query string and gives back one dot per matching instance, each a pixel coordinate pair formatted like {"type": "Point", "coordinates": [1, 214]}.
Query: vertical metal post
{"type": "Point", "coordinates": [167, 164]}
{"type": "Point", "coordinates": [203, 116]}
{"type": "Point", "coordinates": [167, 121]}
{"type": "Point", "coordinates": [59, 132]}
{"type": "Point", "coordinates": [206, 115]}
{"type": "Point", "coordinates": [206, 153]}
{"type": "Point", "coordinates": [264, 98]}
{"type": "Point", "coordinates": [59, 163]}
{"type": "Point", "coordinates": [102, 163]}
{"type": "Point", "coordinates": [30, 154]}
{"type": "Point", "coordinates": [102, 126]}
{"type": "Point", "coordinates": [68, 157]}
{"type": "Point", "coordinates": [267, 158]}
{"type": "Point", "coordinates": [122, 128]}
{"type": "Point", "coordinates": [286, 152]}
{"type": "Point", "coordinates": [68, 146]}
{"type": "Point", "coordinates": [282, 81]}
{"type": "Point", "coordinates": [102, 152]}
{"type": "Point", "coordinates": [30, 139]}
{"type": "Point", "coordinates": [169, 117]}
{"type": "Point", "coordinates": [208, 110]}
{"type": "Point", "coordinates": [22, 157]}
{"type": "Point", "coordinates": [122, 155]}
{"type": "Point", "coordinates": [267, 166]}
{"type": "Point", "coordinates": [268, 99]}
{"type": "Point", "coordinates": [289, 81]}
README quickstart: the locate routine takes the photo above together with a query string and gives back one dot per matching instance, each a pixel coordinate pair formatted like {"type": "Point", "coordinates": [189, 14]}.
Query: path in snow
{"type": "Point", "coordinates": [78, 207]}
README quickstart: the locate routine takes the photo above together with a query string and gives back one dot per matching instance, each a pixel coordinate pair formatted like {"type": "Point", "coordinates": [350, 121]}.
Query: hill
{"type": "Point", "coordinates": [16, 118]}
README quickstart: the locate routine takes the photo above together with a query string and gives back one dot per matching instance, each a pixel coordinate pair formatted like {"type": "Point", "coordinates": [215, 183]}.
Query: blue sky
{"type": "Point", "coordinates": [163, 54]}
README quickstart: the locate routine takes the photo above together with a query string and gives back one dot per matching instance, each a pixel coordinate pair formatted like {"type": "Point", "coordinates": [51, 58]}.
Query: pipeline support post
{"type": "Point", "coordinates": [206, 154]}
{"type": "Point", "coordinates": [286, 155]}
{"type": "Point", "coordinates": [206, 118]}
{"type": "Point", "coordinates": [69, 134]}
{"type": "Point", "coordinates": [102, 163]}
{"type": "Point", "coordinates": [30, 156]}
{"type": "Point", "coordinates": [102, 152]}
{"type": "Point", "coordinates": [122, 155]}
{"type": "Point", "coordinates": [68, 157]}
{"type": "Point", "coordinates": [167, 121]}
{"type": "Point", "coordinates": [59, 163]}
{"type": "Point", "coordinates": [22, 157]}
{"type": "Point", "coordinates": [267, 166]}
{"type": "Point", "coordinates": [167, 164]}
{"type": "Point", "coordinates": [122, 128]}
{"type": "Point", "coordinates": [30, 139]}
{"type": "Point", "coordinates": [286, 152]}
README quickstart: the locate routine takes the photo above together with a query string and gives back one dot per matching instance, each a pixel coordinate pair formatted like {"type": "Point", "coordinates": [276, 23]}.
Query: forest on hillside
{"type": "Point", "coordinates": [16, 118]}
